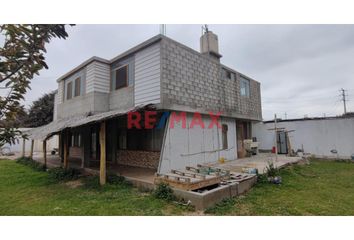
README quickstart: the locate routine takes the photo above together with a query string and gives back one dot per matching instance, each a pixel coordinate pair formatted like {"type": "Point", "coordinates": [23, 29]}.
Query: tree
{"type": "Point", "coordinates": [41, 111]}
{"type": "Point", "coordinates": [21, 58]}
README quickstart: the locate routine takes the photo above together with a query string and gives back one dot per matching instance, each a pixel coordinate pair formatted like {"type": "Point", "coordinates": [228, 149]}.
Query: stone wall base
{"type": "Point", "coordinates": [147, 159]}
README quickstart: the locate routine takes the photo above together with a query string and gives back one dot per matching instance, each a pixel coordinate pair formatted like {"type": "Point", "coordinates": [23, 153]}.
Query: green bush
{"type": "Point", "coordinates": [93, 182]}
{"type": "Point", "coordinates": [272, 170]}
{"type": "Point", "coordinates": [163, 191]}
{"type": "Point", "coordinates": [60, 174]}
{"type": "Point", "coordinates": [31, 163]}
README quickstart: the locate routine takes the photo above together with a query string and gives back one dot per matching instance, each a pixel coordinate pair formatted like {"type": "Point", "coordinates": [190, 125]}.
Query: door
{"type": "Point", "coordinates": [282, 143]}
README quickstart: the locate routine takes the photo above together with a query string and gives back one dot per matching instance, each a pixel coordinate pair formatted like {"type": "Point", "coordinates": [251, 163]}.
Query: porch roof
{"type": "Point", "coordinates": [46, 131]}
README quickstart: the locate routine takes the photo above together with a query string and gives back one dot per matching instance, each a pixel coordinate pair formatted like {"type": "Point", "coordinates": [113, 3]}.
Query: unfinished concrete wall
{"type": "Point", "coordinates": [192, 82]}
{"type": "Point", "coordinates": [93, 102]}
{"type": "Point", "coordinates": [135, 158]}
{"type": "Point", "coordinates": [122, 98]}
{"type": "Point", "coordinates": [191, 146]}
{"type": "Point", "coordinates": [317, 137]}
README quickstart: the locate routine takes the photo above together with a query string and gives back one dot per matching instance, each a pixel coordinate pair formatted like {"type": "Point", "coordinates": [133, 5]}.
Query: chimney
{"type": "Point", "coordinates": [209, 44]}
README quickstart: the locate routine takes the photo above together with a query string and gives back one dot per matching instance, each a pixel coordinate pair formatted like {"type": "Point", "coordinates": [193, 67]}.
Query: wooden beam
{"type": "Point", "coordinates": [32, 146]}
{"type": "Point", "coordinates": [23, 147]}
{"type": "Point", "coordinates": [66, 150]}
{"type": "Point", "coordinates": [103, 153]}
{"type": "Point", "coordinates": [45, 153]}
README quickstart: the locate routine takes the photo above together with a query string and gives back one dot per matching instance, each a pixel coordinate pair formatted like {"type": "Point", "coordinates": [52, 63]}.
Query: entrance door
{"type": "Point", "coordinates": [240, 137]}
{"type": "Point", "coordinates": [282, 143]}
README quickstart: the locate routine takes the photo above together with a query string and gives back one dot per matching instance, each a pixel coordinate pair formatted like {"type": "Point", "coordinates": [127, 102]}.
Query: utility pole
{"type": "Point", "coordinates": [344, 100]}
{"type": "Point", "coordinates": [276, 136]}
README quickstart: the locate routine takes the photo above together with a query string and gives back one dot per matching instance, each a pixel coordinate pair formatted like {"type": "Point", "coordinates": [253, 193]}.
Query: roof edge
{"type": "Point", "coordinates": [122, 55]}
{"type": "Point", "coordinates": [82, 65]}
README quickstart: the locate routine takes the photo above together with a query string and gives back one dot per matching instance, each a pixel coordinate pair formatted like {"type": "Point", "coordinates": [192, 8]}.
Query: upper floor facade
{"type": "Point", "coordinates": [159, 71]}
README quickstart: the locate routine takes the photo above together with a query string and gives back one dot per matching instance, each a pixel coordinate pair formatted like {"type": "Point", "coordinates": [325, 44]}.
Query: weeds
{"type": "Point", "coordinates": [165, 192]}
{"type": "Point", "coordinates": [60, 174]}
{"type": "Point", "coordinates": [31, 163]}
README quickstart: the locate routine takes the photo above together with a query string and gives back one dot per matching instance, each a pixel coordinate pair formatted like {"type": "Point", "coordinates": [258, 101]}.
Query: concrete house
{"type": "Point", "coordinates": [93, 101]}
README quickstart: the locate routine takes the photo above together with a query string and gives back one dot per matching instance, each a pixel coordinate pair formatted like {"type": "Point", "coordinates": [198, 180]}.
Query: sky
{"type": "Point", "coordinates": [301, 68]}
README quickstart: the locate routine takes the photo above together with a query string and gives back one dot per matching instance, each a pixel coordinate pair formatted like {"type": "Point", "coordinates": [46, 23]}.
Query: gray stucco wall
{"type": "Point", "coordinates": [93, 102]}
{"type": "Point", "coordinates": [122, 98]}
{"type": "Point", "coordinates": [194, 82]}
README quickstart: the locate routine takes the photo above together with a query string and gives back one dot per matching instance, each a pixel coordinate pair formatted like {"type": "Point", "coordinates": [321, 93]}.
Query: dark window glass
{"type": "Point", "coordinates": [122, 77]}
{"type": "Point", "coordinates": [77, 87]}
{"type": "Point", "coordinates": [69, 90]}
{"type": "Point", "coordinates": [224, 137]}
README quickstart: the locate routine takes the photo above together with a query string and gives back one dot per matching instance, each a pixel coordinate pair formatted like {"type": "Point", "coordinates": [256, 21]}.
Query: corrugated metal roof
{"type": "Point", "coordinates": [46, 131]}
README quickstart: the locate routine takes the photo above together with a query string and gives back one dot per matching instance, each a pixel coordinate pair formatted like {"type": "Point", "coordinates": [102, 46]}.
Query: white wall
{"type": "Point", "coordinates": [55, 110]}
{"type": "Point", "coordinates": [147, 75]}
{"type": "Point", "coordinates": [52, 142]}
{"type": "Point", "coordinates": [192, 146]}
{"type": "Point", "coordinates": [98, 77]}
{"type": "Point", "coordinates": [318, 137]}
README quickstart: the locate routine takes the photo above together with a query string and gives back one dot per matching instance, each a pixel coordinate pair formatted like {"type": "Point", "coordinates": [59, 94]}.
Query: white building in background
{"type": "Point", "coordinates": [322, 137]}
{"type": "Point", "coordinates": [52, 143]}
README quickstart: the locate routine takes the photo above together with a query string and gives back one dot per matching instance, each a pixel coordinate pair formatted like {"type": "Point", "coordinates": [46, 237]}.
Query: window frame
{"type": "Point", "coordinates": [247, 87]}
{"type": "Point", "coordinates": [75, 86]}
{"type": "Point", "coordinates": [69, 92]}
{"type": "Point", "coordinates": [126, 79]}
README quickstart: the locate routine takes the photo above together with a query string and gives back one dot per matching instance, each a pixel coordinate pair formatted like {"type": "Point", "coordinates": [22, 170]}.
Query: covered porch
{"type": "Point", "coordinates": [103, 144]}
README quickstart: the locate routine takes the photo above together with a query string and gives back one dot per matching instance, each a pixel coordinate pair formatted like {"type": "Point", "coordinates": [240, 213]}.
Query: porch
{"type": "Point", "coordinates": [102, 143]}
{"type": "Point", "coordinates": [140, 176]}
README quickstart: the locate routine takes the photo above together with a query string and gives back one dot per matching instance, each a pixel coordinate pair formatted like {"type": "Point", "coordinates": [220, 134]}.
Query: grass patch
{"type": "Point", "coordinates": [27, 192]}
{"type": "Point", "coordinates": [31, 163]}
{"type": "Point", "coordinates": [60, 174]}
{"type": "Point", "coordinates": [321, 188]}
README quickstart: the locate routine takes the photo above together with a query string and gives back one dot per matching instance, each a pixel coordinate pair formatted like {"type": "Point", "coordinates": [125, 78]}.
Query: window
{"type": "Point", "coordinates": [77, 91]}
{"type": "Point", "coordinates": [76, 140]}
{"type": "Point", "coordinates": [245, 87]}
{"type": "Point", "coordinates": [121, 77]}
{"type": "Point", "coordinates": [224, 136]}
{"type": "Point", "coordinates": [122, 139]}
{"type": "Point", "coordinates": [69, 90]}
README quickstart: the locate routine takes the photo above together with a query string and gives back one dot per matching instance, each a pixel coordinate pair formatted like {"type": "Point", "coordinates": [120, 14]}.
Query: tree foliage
{"type": "Point", "coordinates": [41, 111]}
{"type": "Point", "coordinates": [21, 58]}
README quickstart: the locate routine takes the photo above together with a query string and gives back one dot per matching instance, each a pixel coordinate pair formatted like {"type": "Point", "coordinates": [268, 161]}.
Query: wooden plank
{"type": "Point", "coordinates": [32, 146]}
{"type": "Point", "coordinates": [66, 150]}
{"type": "Point", "coordinates": [45, 153]}
{"type": "Point", "coordinates": [188, 186]}
{"type": "Point", "coordinates": [103, 153]}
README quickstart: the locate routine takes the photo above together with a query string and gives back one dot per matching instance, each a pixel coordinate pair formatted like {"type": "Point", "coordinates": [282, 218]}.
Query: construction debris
{"type": "Point", "coordinates": [194, 178]}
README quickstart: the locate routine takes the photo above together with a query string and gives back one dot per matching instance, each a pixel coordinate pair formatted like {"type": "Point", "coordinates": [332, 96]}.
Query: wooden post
{"type": "Point", "coordinates": [276, 136]}
{"type": "Point", "coordinates": [66, 153]}
{"type": "Point", "coordinates": [103, 153]}
{"type": "Point", "coordinates": [45, 153]}
{"type": "Point", "coordinates": [32, 146]}
{"type": "Point", "coordinates": [23, 147]}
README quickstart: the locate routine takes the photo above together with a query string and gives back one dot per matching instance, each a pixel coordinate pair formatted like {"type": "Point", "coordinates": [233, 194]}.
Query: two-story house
{"type": "Point", "coordinates": [93, 101]}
